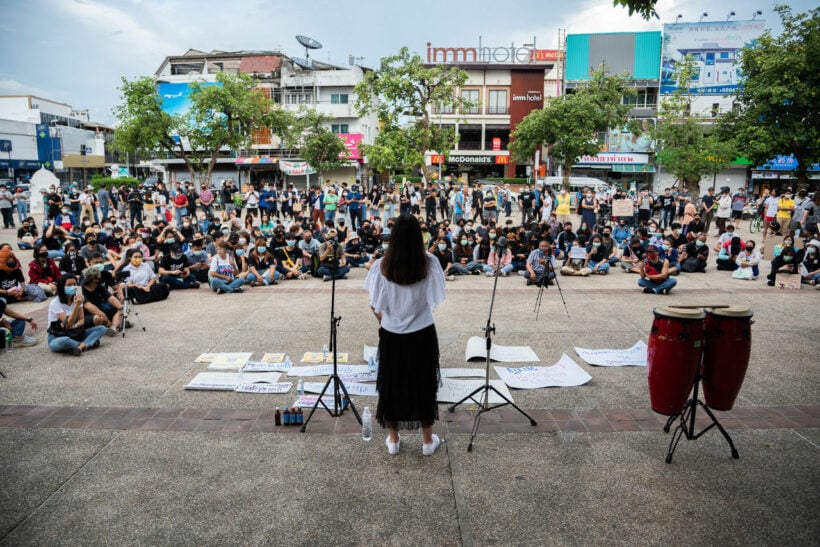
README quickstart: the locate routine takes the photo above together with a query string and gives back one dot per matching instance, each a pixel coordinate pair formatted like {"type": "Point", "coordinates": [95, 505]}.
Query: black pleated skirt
{"type": "Point", "coordinates": [408, 379]}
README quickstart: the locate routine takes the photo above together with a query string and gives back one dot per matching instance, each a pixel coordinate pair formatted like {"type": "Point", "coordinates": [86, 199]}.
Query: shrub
{"type": "Point", "coordinates": [98, 180]}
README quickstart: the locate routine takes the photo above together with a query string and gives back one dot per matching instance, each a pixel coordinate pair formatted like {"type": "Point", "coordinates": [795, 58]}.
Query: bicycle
{"type": "Point", "coordinates": [756, 223]}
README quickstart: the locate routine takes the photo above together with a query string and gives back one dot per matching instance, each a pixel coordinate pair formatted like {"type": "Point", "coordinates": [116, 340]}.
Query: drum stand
{"type": "Point", "coordinates": [484, 390]}
{"type": "Point", "coordinates": [686, 427]}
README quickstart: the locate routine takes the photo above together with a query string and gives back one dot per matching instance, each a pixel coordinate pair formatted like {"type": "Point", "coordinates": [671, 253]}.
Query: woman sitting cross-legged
{"type": "Point", "coordinates": [143, 284]}
{"type": "Point", "coordinates": [223, 271]}
{"type": "Point", "coordinates": [66, 320]}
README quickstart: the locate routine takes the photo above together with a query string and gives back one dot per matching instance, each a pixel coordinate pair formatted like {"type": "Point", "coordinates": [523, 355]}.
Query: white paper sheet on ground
{"type": "Point", "coordinates": [462, 372]}
{"type": "Point", "coordinates": [307, 401]}
{"type": "Point", "coordinates": [632, 357]}
{"type": "Point", "coordinates": [370, 351]}
{"type": "Point", "coordinates": [206, 358]}
{"type": "Point", "coordinates": [214, 381]}
{"type": "Point", "coordinates": [365, 390]}
{"type": "Point", "coordinates": [260, 377]}
{"type": "Point", "coordinates": [318, 357]}
{"type": "Point", "coordinates": [261, 366]}
{"type": "Point", "coordinates": [273, 358]}
{"type": "Point", "coordinates": [229, 361]}
{"type": "Point", "coordinates": [452, 391]}
{"type": "Point", "coordinates": [279, 387]}
{"type": "Point", "coordinates": [327, 370]}
{"type": "Point", "coordinates": [564, 373]}
{"type": "Point", "coordinates": [359, 378]}
{"type": "Point", "coordinates": [477, 348]}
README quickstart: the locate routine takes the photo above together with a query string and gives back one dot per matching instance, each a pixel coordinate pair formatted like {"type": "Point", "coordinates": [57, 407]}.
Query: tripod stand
{"type": "Point", "coordinates": [686, 427]}
{"type": "Point", "coordinates": [339, 388]}
{"type": "Point", "coordinates": [126, 310]}
{"type": "Point", "coordinates": [545, 281]}
{"type": "Point", "coordinates": [484, 399]}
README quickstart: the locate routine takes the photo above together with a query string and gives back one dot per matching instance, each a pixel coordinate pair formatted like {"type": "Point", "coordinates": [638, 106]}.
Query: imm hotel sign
{"type": "Point", "coordinates": [511, 54]}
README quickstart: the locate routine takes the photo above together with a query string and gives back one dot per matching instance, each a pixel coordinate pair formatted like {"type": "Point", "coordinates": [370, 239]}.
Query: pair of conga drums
{"type": "Point", "coordinates": [683, 341]}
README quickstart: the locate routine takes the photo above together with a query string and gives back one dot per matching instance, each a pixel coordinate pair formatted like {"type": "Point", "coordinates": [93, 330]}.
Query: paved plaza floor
{"type": "Point", "coordinates": [110, 449]}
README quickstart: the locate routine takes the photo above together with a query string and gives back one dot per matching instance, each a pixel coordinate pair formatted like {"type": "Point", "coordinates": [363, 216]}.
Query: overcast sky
{"type": "Point", "coordinates": [76, 51]}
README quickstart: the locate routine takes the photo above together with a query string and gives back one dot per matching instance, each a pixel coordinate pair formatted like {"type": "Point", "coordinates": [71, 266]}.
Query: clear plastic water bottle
{"type": "Point", "coordinates": [325, 351]}
{"type": "Point", "coordinates": [300, 387]}
{"type": "Point", "coordinates": [9, 341]}
{"type": "Point", "coordinates": [367, 424]}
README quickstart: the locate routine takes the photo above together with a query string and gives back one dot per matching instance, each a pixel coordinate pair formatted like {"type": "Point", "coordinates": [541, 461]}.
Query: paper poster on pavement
{"type": "Point", "coordinates": [273, 358]}
{"type": "Point", "coordinates": [229, 361]}
{"type": "Point", "coordinates": [214, 381]}
{"type": "Point", "coordinates": [462, 372]}
{"type": "Point", "coordinates": [477, 349]}
{"type": "Point", "coordinates": [370, 351]}
{"type": "Point", "coordinates": [261, 366]}
{"type": "Point", "coordinates": [318, 357]}
{"type": "Point", "coordinates": [365, 390]}
{"type": "Point", "coordinates": [632, 357]}
{"type": "Point", "coordinates": [327, 370]}
{"type": "Point", "coordinates": [452, 391]}
{"type": "Point", "coordinates": [282, 387]}
{"type": "Point", "coordinates": [564, 373]}
{"type": "Point", "coordinates": [359, 378]}
{"type": "Point", "coordinates": [206, 358]}
{"type": "Point", "coordinates": [307, 401]}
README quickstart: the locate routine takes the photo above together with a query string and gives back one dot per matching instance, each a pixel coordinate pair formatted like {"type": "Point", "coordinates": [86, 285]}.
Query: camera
{"type": "Point", "coordinates": [123, 276]}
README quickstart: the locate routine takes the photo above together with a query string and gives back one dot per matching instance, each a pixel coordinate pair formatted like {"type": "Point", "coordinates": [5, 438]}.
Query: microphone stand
{"type": "Point", "coordinates": [340, 402]}
{"type": "Point", "coordinates": [484, 399]}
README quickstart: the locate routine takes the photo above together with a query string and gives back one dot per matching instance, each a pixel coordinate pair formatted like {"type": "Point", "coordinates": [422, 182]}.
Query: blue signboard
{"type": "Point", "coordinates": [5, 146]}
{"type": "Point", "coordinates": [49, 149]}
{"type": "Point", "coordinates": [785, 163]}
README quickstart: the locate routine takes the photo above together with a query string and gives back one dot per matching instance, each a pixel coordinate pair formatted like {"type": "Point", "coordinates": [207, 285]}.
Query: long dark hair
{"type": "Point", "coordinates": [61, 295]}
{"type": "Point", "coordinates": [405, 261]}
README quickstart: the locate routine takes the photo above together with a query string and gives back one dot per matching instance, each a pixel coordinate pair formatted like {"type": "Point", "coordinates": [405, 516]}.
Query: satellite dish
{"type": "Point", "coordinates": [309, 43]}
{"type": "Point", "coordinates": [307, 64]}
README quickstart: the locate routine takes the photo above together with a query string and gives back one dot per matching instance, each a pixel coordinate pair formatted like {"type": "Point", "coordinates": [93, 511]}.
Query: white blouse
{"type": "Point", "coordinates": [406, 308]}
{"type": "Point", "coordinates": [141, 275]}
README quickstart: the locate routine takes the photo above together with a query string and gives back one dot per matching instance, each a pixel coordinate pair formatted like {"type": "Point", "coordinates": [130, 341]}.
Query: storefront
{"type": "Point", "coordinates": [781, 173]}
{"type": "Point", "coordinates": [475, 166]}
{"type": "Point", "coordinates": [622, 169]}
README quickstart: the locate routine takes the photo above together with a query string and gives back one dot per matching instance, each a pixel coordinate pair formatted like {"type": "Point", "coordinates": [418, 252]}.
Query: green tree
{"type": "Point", "coordinates": [687, 145]}
{"type": "Point", "coordinates": [323, 150]}
{"type": "Point", "coordinates": [779, 103]}
{"type": "Point", "coordinates": [404, 89]}
{"type": "Point", "coordinates": [570, 123]}
{"type": "Point", "coordinates": [221, 116]}
{"type": "Point", "coordinates": [644, 8]}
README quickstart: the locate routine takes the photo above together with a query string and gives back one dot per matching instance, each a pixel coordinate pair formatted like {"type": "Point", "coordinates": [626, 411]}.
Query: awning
{"type": "Point", "coordinates": [630, 168]}
{"type": "Point", "coordinates": [256, 160]}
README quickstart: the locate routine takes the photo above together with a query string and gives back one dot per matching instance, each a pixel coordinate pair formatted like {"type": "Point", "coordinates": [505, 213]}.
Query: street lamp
{"type": "Point", "coordinates": [731, 14]}
{"type": "Point", "coordinates": [678, 18]}
{"type": "Point", "coordinates": [755, 14]}
{"type": "Point", "coordinates": [705, 14]}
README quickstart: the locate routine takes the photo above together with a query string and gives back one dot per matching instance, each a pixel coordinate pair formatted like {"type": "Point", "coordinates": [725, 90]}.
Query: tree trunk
{"type": "Point", "coordinates": [425, 170]}
{"type": "Point", "coordinates": [567, 168]}
{"type": "Point", "coordinates": [693, 187]}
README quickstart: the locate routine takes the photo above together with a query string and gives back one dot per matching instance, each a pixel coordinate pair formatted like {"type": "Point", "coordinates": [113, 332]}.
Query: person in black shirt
{"type": "Point", "coordinates": [55, 202]}
{"type": "Point", "coordinates": [707, 208]}
{"type": "Point", "coordinates": [695, 228]}
{"type": "Point", "coordinates": [525, 202]}
{"type": "Point", "coordinates": [289, 262]}
{"type": "Point", "coordinates": [444, 255]}
{"type": "Point", "coordinates": [73, 263]}
{"type": "Point", "coordinates": [677, 239]}
{"type": "Point", "coordinates": [667, 208]}
{"type": "Point", "coordinates": [694, 256]}
{"type": "Point", "coordinates": [27, 234]}
{"type": "Point", "coordinates": [655, 273]}
{"type": "Point", "coordinates": [566, 238]}
{"type": "Point", "coordinates": [174, 271]}
{"type": "Point", "coordinates": [101, 307]}
{"type": "Point", "coordinates": [633, 256]}
{"type": "Point", "coordinates": [354, 251]}
{"type": "Point", "coordinates": [135, 206]}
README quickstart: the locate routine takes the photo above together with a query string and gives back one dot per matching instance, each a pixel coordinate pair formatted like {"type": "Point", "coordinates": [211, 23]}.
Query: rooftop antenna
{"type": "Point", "coordinates": [755, 14]}
{"type": "Point", "coordinates": [705, 14]}
{"type": "Point", "coordinates": [678, 18]}
{"type": "Point", "coordinates": [731, 14]}
{"type": "Point", "coordinates": [351, 60]}
{"type": "Point", "coordinates": [309, 44]}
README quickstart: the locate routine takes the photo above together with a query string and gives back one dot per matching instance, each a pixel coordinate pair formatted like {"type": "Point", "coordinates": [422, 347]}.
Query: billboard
{"type": "Point", "coordinates": [714, 47]}
{"type": "Point", "coordinates": [622, 140]}
{"type": "Point", "coordinates": [176, 98]}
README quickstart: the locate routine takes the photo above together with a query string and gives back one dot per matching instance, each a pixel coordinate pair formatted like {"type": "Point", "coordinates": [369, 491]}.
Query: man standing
{"type": "Point", "coordinates": [104, 197]}
{"type": "Point", "coordinates": [206, 200]}
{"type": "Point", "coordinates": [667, 208]}
{"type": "Point", "coordinates": [6, 204]}
{"type": "Point", "coordinates": [525, 202]}
{"type": "Point", "coordinates": [54, 201]}
{"type": "Point", "coordinates": [21, 200]}
{"type": "Point", "coordinates": [707, 208]}
{"type": "Point", "coordinates": [724, 209]}
{"type": "Point", "coordinates": [135, 205]}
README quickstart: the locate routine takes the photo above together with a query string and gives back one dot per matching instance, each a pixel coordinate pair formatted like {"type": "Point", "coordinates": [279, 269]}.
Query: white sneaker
{"type": "Point", "coordinates": [429, 449]}
{"type": "Point", "coordinates": [450, 278]}
{"type": "Point", "coordinates": [392, 448]}
{"type": "Point", "coordinates": [522, 273]}
{"type": "Point", "coordinates": [489, 274]}
{"type": "Point", "coordinates": [24, 342]}
{"type": "Point", "coordinates": [505, 274]}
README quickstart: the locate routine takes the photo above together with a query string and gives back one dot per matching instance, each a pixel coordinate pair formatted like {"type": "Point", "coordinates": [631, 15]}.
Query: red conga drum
{"type": "Point", "coordinates": [674, 354]}
{"type": "Point", "coordinates": [727, 346]}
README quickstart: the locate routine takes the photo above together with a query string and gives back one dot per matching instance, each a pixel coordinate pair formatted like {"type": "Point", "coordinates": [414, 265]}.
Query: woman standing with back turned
{"type": "Point", "coordinates": [404, 287]}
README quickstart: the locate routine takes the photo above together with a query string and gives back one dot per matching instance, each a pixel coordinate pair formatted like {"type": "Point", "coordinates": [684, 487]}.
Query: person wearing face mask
{"type": "Point", "coordinates": [622, 233]}
{"type": "Point", "coordinates": [562, 207]}
{"type": "Point", "coordinates": [54, 201]}
{"type": "Point", "coordinates": [748, 263]}
{"type": "Point", "coordinates": [223, 270]}
{"type": "Point", "coordinates": [66, 319]}
{"type": "Point", "coordinates": [668, 204]}
{"type": "Point", "coordinates": [786, 263]}
{"type": "Point", "coordinates": [788, 241]}
{"type": "Point", "coordinates": [262, 266]}
{"type": "Point", "coordinates": [633, 256]}
{"type": "Point", "coordinates": [655, 273]}
{"type": "Point", "coordinates": [27, 234]}
{"type": "Point", "coordinates": [566, 238]}
{"type": "Point", "coordinates": [92, 246]}
{"type": "Point", "coordinates": [43, 271]}
{"type": "Point", "coordinates": [72, 263]}
{"type": "Point", "coordinates": [174, 269]}
{"type": "Point", "coordinates": [499, 261]}
{"type": "Point", "coordinates": [442, 252]}
{"type": "Point", "coordinates": [379, 253]}
{"type": "Point", "coordinates": [695, 256]}
{"type": "Point", "coordinates": [724, 209]}
{"type": "Point", "coordinates": [589, 209]}
{"type": "Point", "coordinates": [810, 267]}
{"type": "Point", "coordinates": [289, 262]}
{"type": "Point", "coordinates": [331, 252]}
{"type": "Point", "coordinates": [608, 246]}
{"type": "Point", "coordinates": [597, 260]}
{"type": "Point", "coordinates": [354, 251]}
{"type": "Point", "coordinates": [463, 263]}
{"type": "Point", "coordinates": [670, 253]}
{"type": "Point", "coordinates": [143, 284]}
{"type": "Point", "coordinates": [785, 208]}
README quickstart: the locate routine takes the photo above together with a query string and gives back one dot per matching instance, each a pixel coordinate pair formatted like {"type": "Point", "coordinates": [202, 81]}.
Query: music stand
{"type": "Point", "coordinates": [484, 400]}
{"type": "Point", "coordinates": [339, 405]}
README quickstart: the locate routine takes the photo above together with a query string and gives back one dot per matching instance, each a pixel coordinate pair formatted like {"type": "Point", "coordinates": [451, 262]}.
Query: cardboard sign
{"type": "Point", "coordinates": [623, 208]}
{"type": "Point", "coordinates": [229, 361]}
{"type": "Point", "coordinates": [206, 358]}
{"type": "Point", "coordinates": [786, 281]}
{"type": "Point", "coordinates": [564, 373]}
{"type": "Point", "coordinates": [273, 358]}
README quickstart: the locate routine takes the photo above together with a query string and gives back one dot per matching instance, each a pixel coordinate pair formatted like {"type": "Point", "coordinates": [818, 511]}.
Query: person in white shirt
{"type": "Point", "coordinates": [404, 287]}
{"type": "Point", "coordinates": [770, 205]}
{"type": "Point", "coordinates": [724, 210]}
{"type": "Point", "coordinates": [66, 314]}
{"type": "Point", "coordinates": [749, 258]}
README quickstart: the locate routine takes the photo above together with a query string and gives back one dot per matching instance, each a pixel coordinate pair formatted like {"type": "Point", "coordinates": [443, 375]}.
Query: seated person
{"type": "Point", "coordinates": [726, 236]}
{"type": "Point", "coordinates": [331, 258]}
{"type": "Point", "coordinates": [223, 272]}
{"type": "Point", "coordinates": [13, 286]}
{"type": "Point", "coordinates": [498, 261]}
{"type": "Point", "coordinates": [566, 238]}
{"type": "Point", "coordinates": [727, 255]}
{"type": "Point", "coordinates": [289, 262]}
{"type": "Point", "coordinates": [622, 234]}
{"type": "Point", "coordinates": [749, 258]}
{"type": "Point", "coordinates": [379, 252]}
{"type": "Point", "coordinates": [670, 253]}
{"type": "Point", "coordinates": [66, 321]}
{"type": "Point", "coordinates": [142, 283]}
{"type": "Point", "coordinates": [788, 241]}
{"type": "Point", "coordinates": [72, 263]}
{"type": "Point", "coordinates": [101, 307]}
{"type": "Point", "coordinates": [541, 264]}
{"type": "Point", "coordinates": [444, 255]}
{"type": "Point", "coordinates": [198, 259]}
{"type": "Point", "coordinates": [575, 262]}
{"type": "Point", "coordinates": [355, 253]}
{"type": "Point", "coordinates": [597, 260]}
{"type": "Point", "coordinates": [174, 269]}
{"type": "Point", "coordinates": [633, 256]}
{"type": "Point", "coordinates": [43, 271]}
{"type": "Point", "coordinates": [694, 256]}
{"type": "Point", "coordinates": [810, 267]}
{"type": "Point", "coordinates": [695, 229]}
{"type": "Point", "coordinates": [91, 246]}
{"type": "Point", "coordinates": [463, 257]}
{"type": "Point", "coordinates": [655, 273]}
{"type": "Point", "coordinates": [784, 263]}
{"type": "Point", "coordinates": [262, 265]}
{"type": "Point", "coordinates": [609, 246]}
{"type": "Point", "coordinates": [17, 326]}
{"type": "Point", "coordinates": [27, 234]}
{"type": "Point", "coordinates": [677, 238]}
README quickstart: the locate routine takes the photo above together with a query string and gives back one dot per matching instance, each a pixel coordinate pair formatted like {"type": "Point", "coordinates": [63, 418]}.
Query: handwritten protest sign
{"type": "Point", "coordinates": [327, 370]}
{"type": "Point", "coordinates": [365, 390]}
{"type": "Point", "coordinates": [462, 372]}
{"type": "Point", "coordinates": [260, 366]}
{"type": "Point", "coordinates": [358, 378]}
{"type": "Point", "coordinates": [229, 361]}
{"type": "Point", "coordinates": [273, 358]}
{"type": "Point", "coordinates": [370, 351]}
{"type": "Point", "coordinates": [452, 391]}
{"type": "Point", "coordinates": [307, 401]}
{"type": "Point", "coordinates": [283, 387]}
{"type": "Point", "coordinates": [477, 349]}
{"type": "Point", "coordinates": [206, 358]}
{"type": "Point", "coordinates": [787, 281]}
{"type": "Point", "coordinates": [623, 208]}
{"type": "Point", "coordinates": [632, 357]}
{"type": "Point", "coordinates": [318, 357]}
{"type": "Point", "coordinates": [214, 381]}
{"type": "Point", "coordinates": [564, 373]}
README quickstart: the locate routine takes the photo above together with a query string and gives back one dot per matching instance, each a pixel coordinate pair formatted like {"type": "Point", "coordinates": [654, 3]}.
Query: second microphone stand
{"type": "Point", "coordinates": [489, 329]}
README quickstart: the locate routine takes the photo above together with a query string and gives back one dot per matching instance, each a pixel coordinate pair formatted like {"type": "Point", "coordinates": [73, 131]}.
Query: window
{"type": "Point", "coordinates": [338, 98]}
{"type": "Point", "coordinates": [299, 98]}
{"type": "Point", "coordinates": [645, 98]}
{"type": "Point", "coordinates": [497, 103]}
{"type": "Point", "coordinates": [443, 109]}
{"type": "Point", "coordinates": [471, 95]}
{"type": "Point", "coordinates": [339, 128]}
